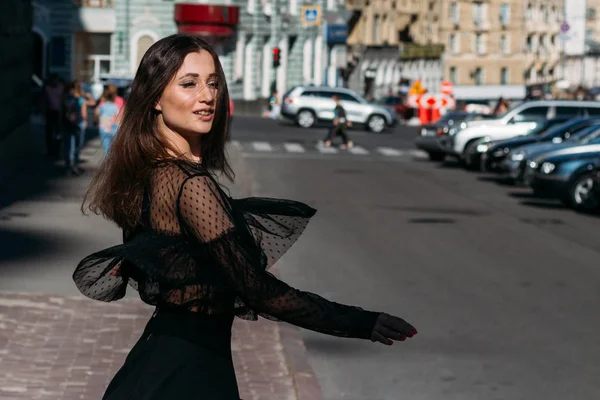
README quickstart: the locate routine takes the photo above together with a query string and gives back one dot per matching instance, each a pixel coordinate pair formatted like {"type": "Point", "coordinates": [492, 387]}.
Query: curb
{"type": "Point", "coordinates": [306, 384]}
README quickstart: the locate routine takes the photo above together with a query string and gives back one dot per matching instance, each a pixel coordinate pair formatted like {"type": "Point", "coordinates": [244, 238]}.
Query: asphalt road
{"type": "Point", "coordinates": [502, 286]}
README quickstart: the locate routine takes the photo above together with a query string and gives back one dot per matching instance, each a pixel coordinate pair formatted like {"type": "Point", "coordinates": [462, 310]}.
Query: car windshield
{"type": "Point", "coordinates": [588, 135]}
{"type": "Point", "coordinates": [558, 130]}
{"type": "Point", "coordinates": [546, 127]}
{"type": "Point", "coordinates": [453, 116]}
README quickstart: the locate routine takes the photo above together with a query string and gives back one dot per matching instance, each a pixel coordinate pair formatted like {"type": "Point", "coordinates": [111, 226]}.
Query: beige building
{"type": "Point", "coordinates": [490, 47]}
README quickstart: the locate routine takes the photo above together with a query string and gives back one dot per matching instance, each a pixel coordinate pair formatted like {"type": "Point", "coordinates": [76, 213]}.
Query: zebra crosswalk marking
{"type": "Point", "coordinates": [388, 151]}
{"type": "Point", "coordinates": [294, 148]}
{"type": "Point", "coordinates": [358, 151]}
{"type": "Point", "coordinates": [326, 150]}
{"type": "Point", "coordinates": [262, 146]}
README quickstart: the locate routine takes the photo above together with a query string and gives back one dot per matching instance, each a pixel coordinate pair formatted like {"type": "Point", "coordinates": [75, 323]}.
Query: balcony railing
{"type": "Point", "coordinates": [94, 3]}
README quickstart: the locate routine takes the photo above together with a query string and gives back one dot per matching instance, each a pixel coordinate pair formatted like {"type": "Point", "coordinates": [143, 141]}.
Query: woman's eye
{"type": "Point", "coordinates": [188, 84]}
{"type": "Point", "coordinates": [213, 84]}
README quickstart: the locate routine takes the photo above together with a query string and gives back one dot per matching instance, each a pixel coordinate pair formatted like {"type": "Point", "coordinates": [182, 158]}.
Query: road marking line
{"type": "Point", "coordinates": [358, 150]}
{"type": "Point", "coordinates": [326, 150]}
{"type": "Point", "coordinates": [236, 143]}
{"type": "Point", "coordinates": [388, 151]}
{"type": "Point", "coordinates": [293, 148]}
{"type": "Point", "coordinates": [262, 146]}
{"type": "Point", "coordinates": [419, 154]}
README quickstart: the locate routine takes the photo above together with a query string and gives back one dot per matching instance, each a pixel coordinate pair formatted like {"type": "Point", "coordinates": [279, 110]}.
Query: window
{"type": "Point", "coordinates": [505, 14]}
{"type": "Point", "coordinates": [589, 34]}
{"type": "Point", "coordinates": [593, 111]}
{"type": "Point", "coordinates": [504, 46]}
{"type": "Point", "coordinates": [478, 14]}
{"type": "Point", "coordinates": [453, 75]}
{"type": "Point", "coordinates": [58, 51]}
{"type": "Point", "coordinates": [454, 44]}
{"type": "Point", "coordinates": [478, 76]}
{"type": "Point", "coordinates": [94, 3]}
{"type": "Point", "coordinates": [93, 55]}
{"type": "Point", "coordinates": [568, 112]}
{"type": "Point", "coordinates": [532, 114]}
{"type": "Point", "coordinates": [347, 97]}
{"type": "Point", "coordinates": [480, 47]}
{"type": "Point", "coordinates": [376, 28]}
{"type": "Point", "coordinates": [454, 17]}
{"type": "Point", "coordinates": [504, 76]}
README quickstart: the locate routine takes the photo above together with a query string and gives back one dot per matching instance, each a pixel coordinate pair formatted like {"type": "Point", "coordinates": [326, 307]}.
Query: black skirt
{"type": "Point", "coordinates": [181, 355]}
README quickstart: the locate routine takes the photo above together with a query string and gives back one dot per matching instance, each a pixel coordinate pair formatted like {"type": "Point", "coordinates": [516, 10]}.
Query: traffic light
{"type": "Point", "coordinates": [276, 55]}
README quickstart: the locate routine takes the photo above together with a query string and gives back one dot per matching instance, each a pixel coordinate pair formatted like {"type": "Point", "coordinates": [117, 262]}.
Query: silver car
{"type": "Point", "coordinates": [307, 105]}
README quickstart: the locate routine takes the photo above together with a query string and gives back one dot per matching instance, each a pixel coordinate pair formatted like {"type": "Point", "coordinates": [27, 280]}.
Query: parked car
{"type": "Point", "coordinates": [433, 136]}
{"type": "Point", "coordinates": [568, 174]}
{"type": "Point", "coordinates": [397, 105]}
{"type": "Point", "coordinates": [519, 158]}
{"type": "Point", "coordinates": [495, 152]}
{"type": "Point", "coordinates": [475, 153]}
{"type": "Point", "coordinates": [307, 105]}
{"type": "Point", "coordinates": [519, 121]}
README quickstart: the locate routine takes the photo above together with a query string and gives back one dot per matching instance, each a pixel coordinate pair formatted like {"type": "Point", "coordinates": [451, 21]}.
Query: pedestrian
{"type": "Point", "coordinates": [52, 108]}
{"type": "Point", "coordinates": [107, 115]}
{"type": "Point", "coordinates": [274, 106]}
{"type": "Point", "coordinates": [501, 107]}
{"type": "Point", "coordinates": [75, 121]}
{"type": "Point", "coordinates": [197, 255]}
{"type": "Point", "coordinates": [339, 125]}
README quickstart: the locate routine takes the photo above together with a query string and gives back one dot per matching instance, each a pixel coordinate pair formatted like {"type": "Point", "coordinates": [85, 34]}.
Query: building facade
{"type": "Point", "coordinates": [582, 43]}
{"type": "Point", "coordinates": [94, 39]}
{"type": "Point", "coordinates": [486, 48]}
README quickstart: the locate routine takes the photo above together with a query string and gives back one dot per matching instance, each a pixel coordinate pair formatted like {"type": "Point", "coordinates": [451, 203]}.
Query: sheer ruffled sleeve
{"type": "Point", "coordinates": [242, 238]}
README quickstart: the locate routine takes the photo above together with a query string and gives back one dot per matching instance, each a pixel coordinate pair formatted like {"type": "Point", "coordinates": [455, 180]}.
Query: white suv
{"type": "Point", "coordinates": [306, 105]}
{"type": "Point", "coordinates": [519, 121]}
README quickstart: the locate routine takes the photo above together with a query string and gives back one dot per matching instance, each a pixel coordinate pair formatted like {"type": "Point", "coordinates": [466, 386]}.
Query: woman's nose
{"type": "Point", "coordinates": [207, 94]}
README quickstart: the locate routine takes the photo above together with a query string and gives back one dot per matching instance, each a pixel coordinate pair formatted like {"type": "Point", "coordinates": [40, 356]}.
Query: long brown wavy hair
{"type": "Point", "coordinates": [117, 190]}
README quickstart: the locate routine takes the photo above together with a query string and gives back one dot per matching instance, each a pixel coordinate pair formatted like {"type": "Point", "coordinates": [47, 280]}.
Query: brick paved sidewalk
{"type": "Point", "coordinates": [68, 348]}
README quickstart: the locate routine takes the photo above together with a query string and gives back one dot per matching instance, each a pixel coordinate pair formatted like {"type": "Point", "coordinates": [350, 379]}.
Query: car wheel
{"type": "Point", "coordinates": [436, 156]}
{"type": "Point", "coordinates": [376, 123]}
{"type": "Point", "coordinates": [582, 196]}
{"type": "Point", "coordinates": [305, 118]}
{"type": "Point", "coordinates": [470, 164]}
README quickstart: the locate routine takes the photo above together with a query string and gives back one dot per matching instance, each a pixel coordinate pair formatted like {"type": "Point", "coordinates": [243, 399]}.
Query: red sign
{"type": "Point", "coordinates": [447, 87]}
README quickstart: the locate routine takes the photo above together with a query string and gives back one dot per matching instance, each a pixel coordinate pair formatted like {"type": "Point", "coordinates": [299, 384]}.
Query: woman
{"type": "Point", "coordinates": [196, 254]}
{"type": "Point", "coordinates": [75, 119]}
{"type": "Point", "coordinates": [107, 115]}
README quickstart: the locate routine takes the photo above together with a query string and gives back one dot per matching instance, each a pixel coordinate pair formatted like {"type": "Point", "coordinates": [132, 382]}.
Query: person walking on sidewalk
{"type": "Point", "coordinates": [107, 114]}
{"type": "Point", "coordinates": [75, 117]}
{"type": "Point", "coordinates": [196, 254]}
{"type": "Point", "coordinates": [340, 124]}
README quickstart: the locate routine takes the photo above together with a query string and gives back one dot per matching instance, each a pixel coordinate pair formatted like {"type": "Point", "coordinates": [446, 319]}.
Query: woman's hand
{"type": "Point", "coordinates": [388, 327]}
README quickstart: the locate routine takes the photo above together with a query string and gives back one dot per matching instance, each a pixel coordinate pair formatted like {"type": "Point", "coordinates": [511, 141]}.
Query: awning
{"type": "Point", "coordinates": [206, 20]}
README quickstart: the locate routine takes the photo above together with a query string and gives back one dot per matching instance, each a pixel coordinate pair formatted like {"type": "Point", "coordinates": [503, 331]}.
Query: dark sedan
{"type": "Point", "coordinates": [568, 175]}
{"type": "Point", "coordinates": [432, 135]}
{"type": "Point", "coordinates": [475, 155]}
{"type": "Point", "coordinates": [518, 159]}
{"type": "Point", "coordinates": [496, 152]}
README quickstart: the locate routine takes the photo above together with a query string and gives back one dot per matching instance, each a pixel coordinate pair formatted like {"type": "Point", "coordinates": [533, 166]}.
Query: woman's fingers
{"type": "Point", "coordinates": [398, 325]}
{"type": "Point", "coordinates": [116, 271]}
{"type": "Point", "coordinates": [388, 333]}
{"type": "Point", "coordinates": [378, 337]}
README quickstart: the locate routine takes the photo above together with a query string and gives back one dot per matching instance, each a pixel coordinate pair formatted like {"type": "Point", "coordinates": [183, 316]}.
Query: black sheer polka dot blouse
{"type": "Point", "coordinates": [200, 250]}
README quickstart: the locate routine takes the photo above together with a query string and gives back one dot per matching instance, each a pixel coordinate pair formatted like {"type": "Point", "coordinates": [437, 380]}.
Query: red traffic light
{"type": "Point", "coordinates": [276, 54]}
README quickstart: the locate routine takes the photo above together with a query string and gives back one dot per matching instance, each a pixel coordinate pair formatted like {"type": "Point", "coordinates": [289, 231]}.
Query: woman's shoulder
{"type": "Point", "coordinates": [179, 170]}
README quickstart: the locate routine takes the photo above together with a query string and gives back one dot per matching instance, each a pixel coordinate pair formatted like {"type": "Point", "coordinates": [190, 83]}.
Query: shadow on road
{"type": "Point", "coordinates": [20, 245]}
{"type": "Point", "coordinates": [497, 179]}
{"type": "Point", "coordinates": [431, 221]}
{"type": "Point", "coordinates": [548, 205]}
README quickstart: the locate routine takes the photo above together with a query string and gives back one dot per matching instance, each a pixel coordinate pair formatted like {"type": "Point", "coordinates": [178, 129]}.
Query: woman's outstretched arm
{"type": "Point", "coordinates": [207, 215]}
